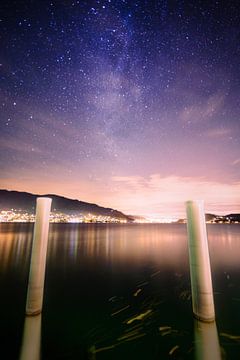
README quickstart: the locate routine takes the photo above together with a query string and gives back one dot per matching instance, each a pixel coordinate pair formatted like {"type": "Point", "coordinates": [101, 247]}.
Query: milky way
{"type": "Point", "coordinates": [131, 104]}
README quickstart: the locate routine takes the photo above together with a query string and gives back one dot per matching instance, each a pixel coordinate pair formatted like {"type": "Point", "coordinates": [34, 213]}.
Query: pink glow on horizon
{"type": "Point", "coordinates": [152, 196]}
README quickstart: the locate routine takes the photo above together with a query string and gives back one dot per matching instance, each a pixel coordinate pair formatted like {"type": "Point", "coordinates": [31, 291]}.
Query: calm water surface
{"type": "Point", "coordinates": [117, 291]}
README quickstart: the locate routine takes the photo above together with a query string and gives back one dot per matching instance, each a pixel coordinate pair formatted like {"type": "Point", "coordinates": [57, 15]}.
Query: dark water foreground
{"type": "Point", "coordinates": [117, 291]}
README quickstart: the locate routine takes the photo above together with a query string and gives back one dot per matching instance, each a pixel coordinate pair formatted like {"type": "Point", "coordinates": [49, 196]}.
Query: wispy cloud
{"type": "Point", "coordinates": [167, 195]}
{"type": "Point", "coordinates": [203, 110]}
{"type": "Point", "coordinates": [236, 162]}
{"type": "Point", "coordinates": [218, 132]}
{"type": "Point", "coordinates": [11, 143]}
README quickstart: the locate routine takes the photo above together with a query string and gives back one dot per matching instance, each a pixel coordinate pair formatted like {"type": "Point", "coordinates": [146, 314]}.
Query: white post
{"type": "Point", "coordinates": [200, 270]}
{"type": "Point", "coordinates": [31, 343]}
{"type": "Point", "coordinates": [38, 257]}
{"type": "Point", "coordinates": [206, 341]}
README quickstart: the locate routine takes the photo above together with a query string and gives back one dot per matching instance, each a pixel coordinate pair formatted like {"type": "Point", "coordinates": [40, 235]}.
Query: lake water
{"type": "Point", "coordinates": [117, 291]}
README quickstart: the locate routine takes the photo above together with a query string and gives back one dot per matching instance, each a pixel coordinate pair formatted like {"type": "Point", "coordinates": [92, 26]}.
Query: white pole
{"type": "Point", "coordinates": [31, 343]}
{"type": "Point", "coordinates": [200, 270]}
{"type": "Point", "coordinates": [206, 341]}
{"type": "Point", "coordinates": [38, 257]}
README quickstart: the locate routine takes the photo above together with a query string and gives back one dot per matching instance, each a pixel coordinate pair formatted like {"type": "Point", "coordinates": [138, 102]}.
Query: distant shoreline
{"type": "Point", "coordinates": [117, 223]}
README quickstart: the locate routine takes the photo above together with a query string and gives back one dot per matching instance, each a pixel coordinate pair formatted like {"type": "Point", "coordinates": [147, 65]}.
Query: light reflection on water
{"type": "Point", "coordinates": [15, 243]}
{"type": "Point", "coordinates": [122, 243]}
{"type": "Point", "coordinates": [142, 269]}
{"type": "Point", "coordinates": [161, 244]}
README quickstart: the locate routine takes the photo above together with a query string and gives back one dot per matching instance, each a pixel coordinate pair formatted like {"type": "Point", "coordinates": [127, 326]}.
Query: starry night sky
{"type": "Point", "coordinates": [129, 104]}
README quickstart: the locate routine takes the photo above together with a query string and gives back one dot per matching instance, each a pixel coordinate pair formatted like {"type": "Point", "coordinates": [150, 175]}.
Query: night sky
{"type": "Point", "coordinates": [129, 104]}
